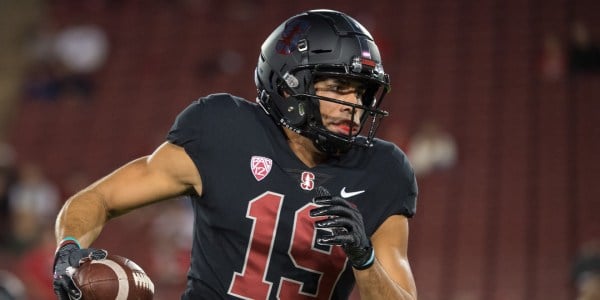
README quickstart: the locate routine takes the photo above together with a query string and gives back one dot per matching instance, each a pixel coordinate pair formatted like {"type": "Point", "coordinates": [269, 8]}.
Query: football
{"type": "Point", "coordinates": [114, 277]}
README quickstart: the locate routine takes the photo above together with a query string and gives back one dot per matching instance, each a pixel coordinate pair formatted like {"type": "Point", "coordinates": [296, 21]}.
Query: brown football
{"type": "Point", "coordinates": [114, 277]}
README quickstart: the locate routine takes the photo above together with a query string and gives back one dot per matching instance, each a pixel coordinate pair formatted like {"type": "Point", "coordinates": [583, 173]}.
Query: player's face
{"type": "Point", "coordinates": [337, 117]}
{"type": "Point", "coordinates": [589, 288]}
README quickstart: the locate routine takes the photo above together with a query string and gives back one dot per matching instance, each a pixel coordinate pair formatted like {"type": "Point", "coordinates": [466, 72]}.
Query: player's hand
{"type": "Point", "coordinates": [67, 258]}
{"type": "Point", "coordinates": [347, 229]}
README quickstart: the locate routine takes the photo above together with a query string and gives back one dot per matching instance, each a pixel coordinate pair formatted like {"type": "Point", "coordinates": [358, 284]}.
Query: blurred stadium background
{"type": "Point", "coordinates": [506, 219]}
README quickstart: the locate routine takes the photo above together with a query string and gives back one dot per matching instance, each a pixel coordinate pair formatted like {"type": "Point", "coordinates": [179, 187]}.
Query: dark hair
{"type": "Point", "coordinates": [586, 265]}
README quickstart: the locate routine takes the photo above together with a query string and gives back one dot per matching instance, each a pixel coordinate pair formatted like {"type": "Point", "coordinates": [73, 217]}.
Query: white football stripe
{"type": "Point", "coordinates": [120, 272]}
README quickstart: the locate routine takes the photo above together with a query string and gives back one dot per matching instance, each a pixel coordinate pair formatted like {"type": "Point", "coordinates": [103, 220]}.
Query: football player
{"type": "Point", "coordinates": [293, 196]}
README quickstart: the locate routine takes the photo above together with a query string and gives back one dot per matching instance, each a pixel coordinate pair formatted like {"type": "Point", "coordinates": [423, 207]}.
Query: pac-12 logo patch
{"type": "Point", "coordinates": [260, 166]}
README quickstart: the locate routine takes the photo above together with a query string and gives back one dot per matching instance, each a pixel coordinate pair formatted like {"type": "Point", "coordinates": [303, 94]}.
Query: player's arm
{"type": "Point", "coordinates": [390, 276]}
{"type": "Point", "coordinates": [168, 172]}
{"type": "Point", "coordinates": [380, 263]}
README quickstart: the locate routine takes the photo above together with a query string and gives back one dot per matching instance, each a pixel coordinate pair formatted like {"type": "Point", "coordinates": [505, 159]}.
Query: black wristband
{"type": "Point", "coordinates": [66, 241]}
{"type": "Point", "coordinates": [368, 263]}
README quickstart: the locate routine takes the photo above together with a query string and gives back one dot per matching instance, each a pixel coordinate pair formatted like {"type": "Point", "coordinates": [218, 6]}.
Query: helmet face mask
{"type": "Point", "coordinates": [313, 46]}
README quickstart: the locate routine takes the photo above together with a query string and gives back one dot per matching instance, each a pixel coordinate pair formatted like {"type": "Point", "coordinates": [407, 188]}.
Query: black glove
{"type": "Point", "coordinates": [347, 227]}
{"type": "Point", "coordinates": [68, 257]}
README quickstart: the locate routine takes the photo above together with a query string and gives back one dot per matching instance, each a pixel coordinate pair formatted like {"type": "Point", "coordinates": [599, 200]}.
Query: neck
{"type": "Point", "coordinates": [304, 149]}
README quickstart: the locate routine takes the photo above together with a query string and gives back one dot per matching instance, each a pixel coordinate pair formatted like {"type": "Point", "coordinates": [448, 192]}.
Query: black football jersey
{"type": "Point", "coordinates": [253, 236]}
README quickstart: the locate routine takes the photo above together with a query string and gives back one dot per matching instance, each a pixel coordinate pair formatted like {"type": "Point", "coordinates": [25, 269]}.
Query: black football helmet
{"type": "Point", "coordinates": [320, 44]}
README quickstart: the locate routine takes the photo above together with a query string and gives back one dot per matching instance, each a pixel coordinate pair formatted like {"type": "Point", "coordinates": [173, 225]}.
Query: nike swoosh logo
{"type": "Point", "coordinates": [345, 194]}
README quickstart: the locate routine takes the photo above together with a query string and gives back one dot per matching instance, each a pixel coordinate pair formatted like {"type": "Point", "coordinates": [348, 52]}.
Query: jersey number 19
{"type": "Point", "coordinates": [251, 283]}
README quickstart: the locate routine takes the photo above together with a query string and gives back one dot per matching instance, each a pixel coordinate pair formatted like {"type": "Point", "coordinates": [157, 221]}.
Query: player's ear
{"type": "Point", "coordinates": [282, 91]}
